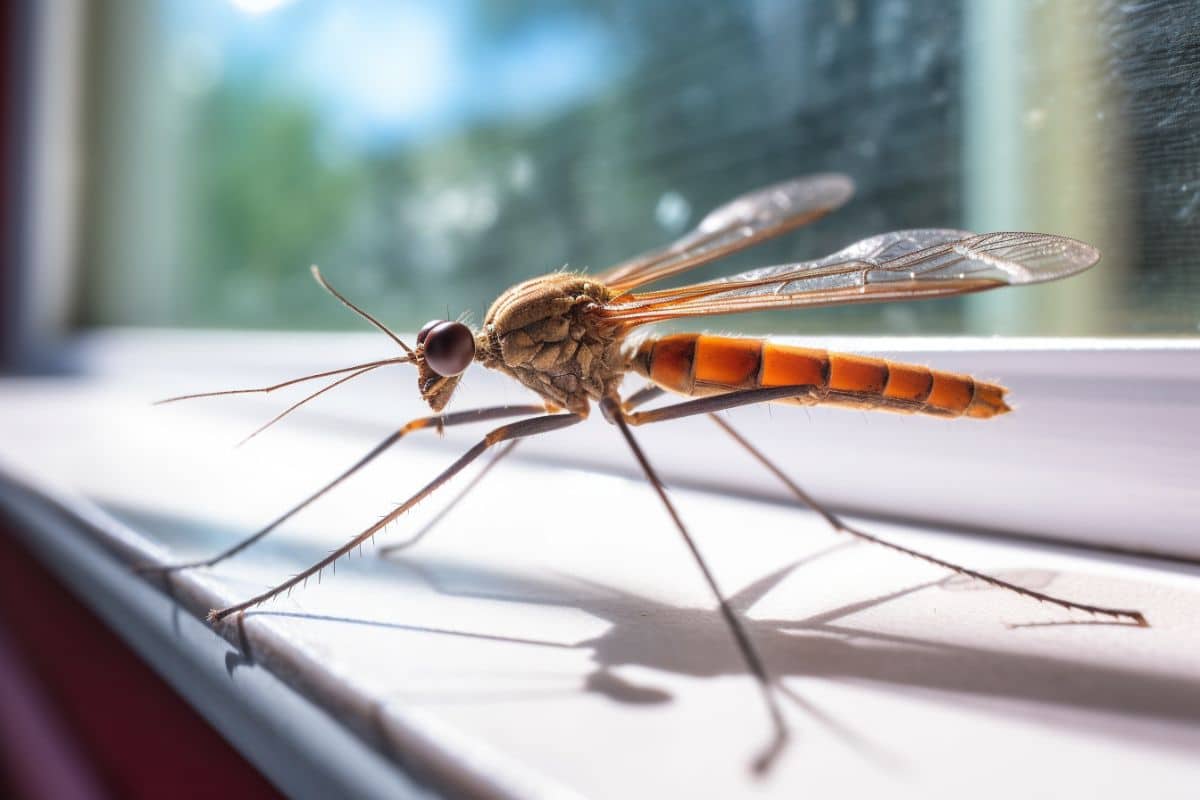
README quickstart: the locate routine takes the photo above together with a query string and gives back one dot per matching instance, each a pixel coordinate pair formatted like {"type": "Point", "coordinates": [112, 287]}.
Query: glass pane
{"type": "Point", "coordinates": [429, 155]}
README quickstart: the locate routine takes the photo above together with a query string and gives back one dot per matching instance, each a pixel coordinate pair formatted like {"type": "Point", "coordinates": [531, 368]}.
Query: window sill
{"type": "Point", "coordinates": [1102, 448]}
{"type": "Point", "coordinates": [552, 637]}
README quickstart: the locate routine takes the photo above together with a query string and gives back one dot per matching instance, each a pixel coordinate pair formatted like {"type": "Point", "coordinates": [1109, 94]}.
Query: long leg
{"type": "Point", "coordinates": [836, 523]}
{"type": "Point", "coordinates": [421, 423]}
{"type": "Point", "coordinates": [643, 395]}
{"type": "Point", "coordinates": [446, 509]}
{"type": "Point", "coordinates": [613, 411]}
{"type": "Point", "coordinates": [709, 405]}
{"type": "Point", "coordinates": [513, 430]}
{"type": "Point", "coordinates": [706, 405]}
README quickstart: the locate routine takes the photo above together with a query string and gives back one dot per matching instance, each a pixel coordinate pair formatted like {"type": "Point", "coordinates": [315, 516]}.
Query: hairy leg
{"type": "Point", "coordinates": [391, 549]}
{"type": "Point", "coordinates": [710, 405]}
{"type": "Point", "coordinates": [614, 412]}
{"type": "Point", "coordinates": [421, 423]}
{"type": "Point", "coordinates": [838, 525]}
{"type": "Point", "coordinates": [513, 430]}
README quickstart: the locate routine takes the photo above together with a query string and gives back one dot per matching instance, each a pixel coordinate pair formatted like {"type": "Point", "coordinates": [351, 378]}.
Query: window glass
{"type": "Point", "coordinates": [427, 155]}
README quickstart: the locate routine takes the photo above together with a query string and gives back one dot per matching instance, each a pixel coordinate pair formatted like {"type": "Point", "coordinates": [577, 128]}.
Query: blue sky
{"type": "Point", "coordinates": [387, 71]}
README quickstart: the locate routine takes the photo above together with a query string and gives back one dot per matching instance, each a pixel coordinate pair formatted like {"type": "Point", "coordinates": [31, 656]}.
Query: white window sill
{"type": "Point", "coordinates": [551, 636]}
{"type": "Point", "coordinates": [1102, 449]}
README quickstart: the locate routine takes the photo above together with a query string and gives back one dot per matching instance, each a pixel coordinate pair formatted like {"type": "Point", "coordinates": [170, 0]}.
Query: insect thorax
{"type": "Point", "coordinates": [541, 333]}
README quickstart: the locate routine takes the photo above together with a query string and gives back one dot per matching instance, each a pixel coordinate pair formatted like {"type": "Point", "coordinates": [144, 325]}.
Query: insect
{"type": "Point", "coordinates": [567, 337]}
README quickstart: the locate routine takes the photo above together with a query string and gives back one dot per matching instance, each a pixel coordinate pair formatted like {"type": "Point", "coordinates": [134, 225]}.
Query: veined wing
{"type": "Point", "coordinates": [902, 265]}
{"type": "Point", "coordinates": [741, 222]}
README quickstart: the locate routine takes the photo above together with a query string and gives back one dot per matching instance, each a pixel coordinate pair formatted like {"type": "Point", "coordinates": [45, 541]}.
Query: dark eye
{"type": "Point", "coordinates": [426, 328]}
{"type": "Point", "coordinates": [449, 348]}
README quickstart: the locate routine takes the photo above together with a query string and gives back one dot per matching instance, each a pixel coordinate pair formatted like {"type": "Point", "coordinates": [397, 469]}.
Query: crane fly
{"type": "Point", "coordinates": [567, 336]}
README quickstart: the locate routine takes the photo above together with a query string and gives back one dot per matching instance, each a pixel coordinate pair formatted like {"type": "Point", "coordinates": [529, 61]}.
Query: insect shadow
{"type": "Point", "coordinates": [828, 644]}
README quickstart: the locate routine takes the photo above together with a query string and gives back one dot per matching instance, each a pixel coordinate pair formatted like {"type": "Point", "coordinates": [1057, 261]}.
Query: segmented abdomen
{"type": "Point", "coordinates": [698, 365]}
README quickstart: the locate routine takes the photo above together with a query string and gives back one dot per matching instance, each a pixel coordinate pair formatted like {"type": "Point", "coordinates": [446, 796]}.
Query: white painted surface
{"type": "Point", "coordinates": [551, 636]}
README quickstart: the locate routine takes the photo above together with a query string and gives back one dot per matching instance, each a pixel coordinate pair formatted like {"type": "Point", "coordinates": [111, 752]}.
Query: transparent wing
{"type": "Point", "coordinates": [741, 222]}
{"type": "Point", "coordinates": [901, 265]}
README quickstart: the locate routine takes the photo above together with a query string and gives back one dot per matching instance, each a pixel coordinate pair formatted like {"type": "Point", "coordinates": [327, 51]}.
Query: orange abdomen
{"type": "Point", "coordinates": [698, 365]}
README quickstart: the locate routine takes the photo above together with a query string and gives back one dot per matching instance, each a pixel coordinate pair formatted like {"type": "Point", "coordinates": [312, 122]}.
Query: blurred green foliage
{"type": "Point", "coordinates": [262, 203]}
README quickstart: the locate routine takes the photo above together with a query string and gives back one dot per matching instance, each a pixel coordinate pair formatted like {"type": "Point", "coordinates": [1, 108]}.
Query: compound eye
{"type": "Point", "coordinates": [426, 328]}
{"type": "Point", "coordinates": [449, 348]}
